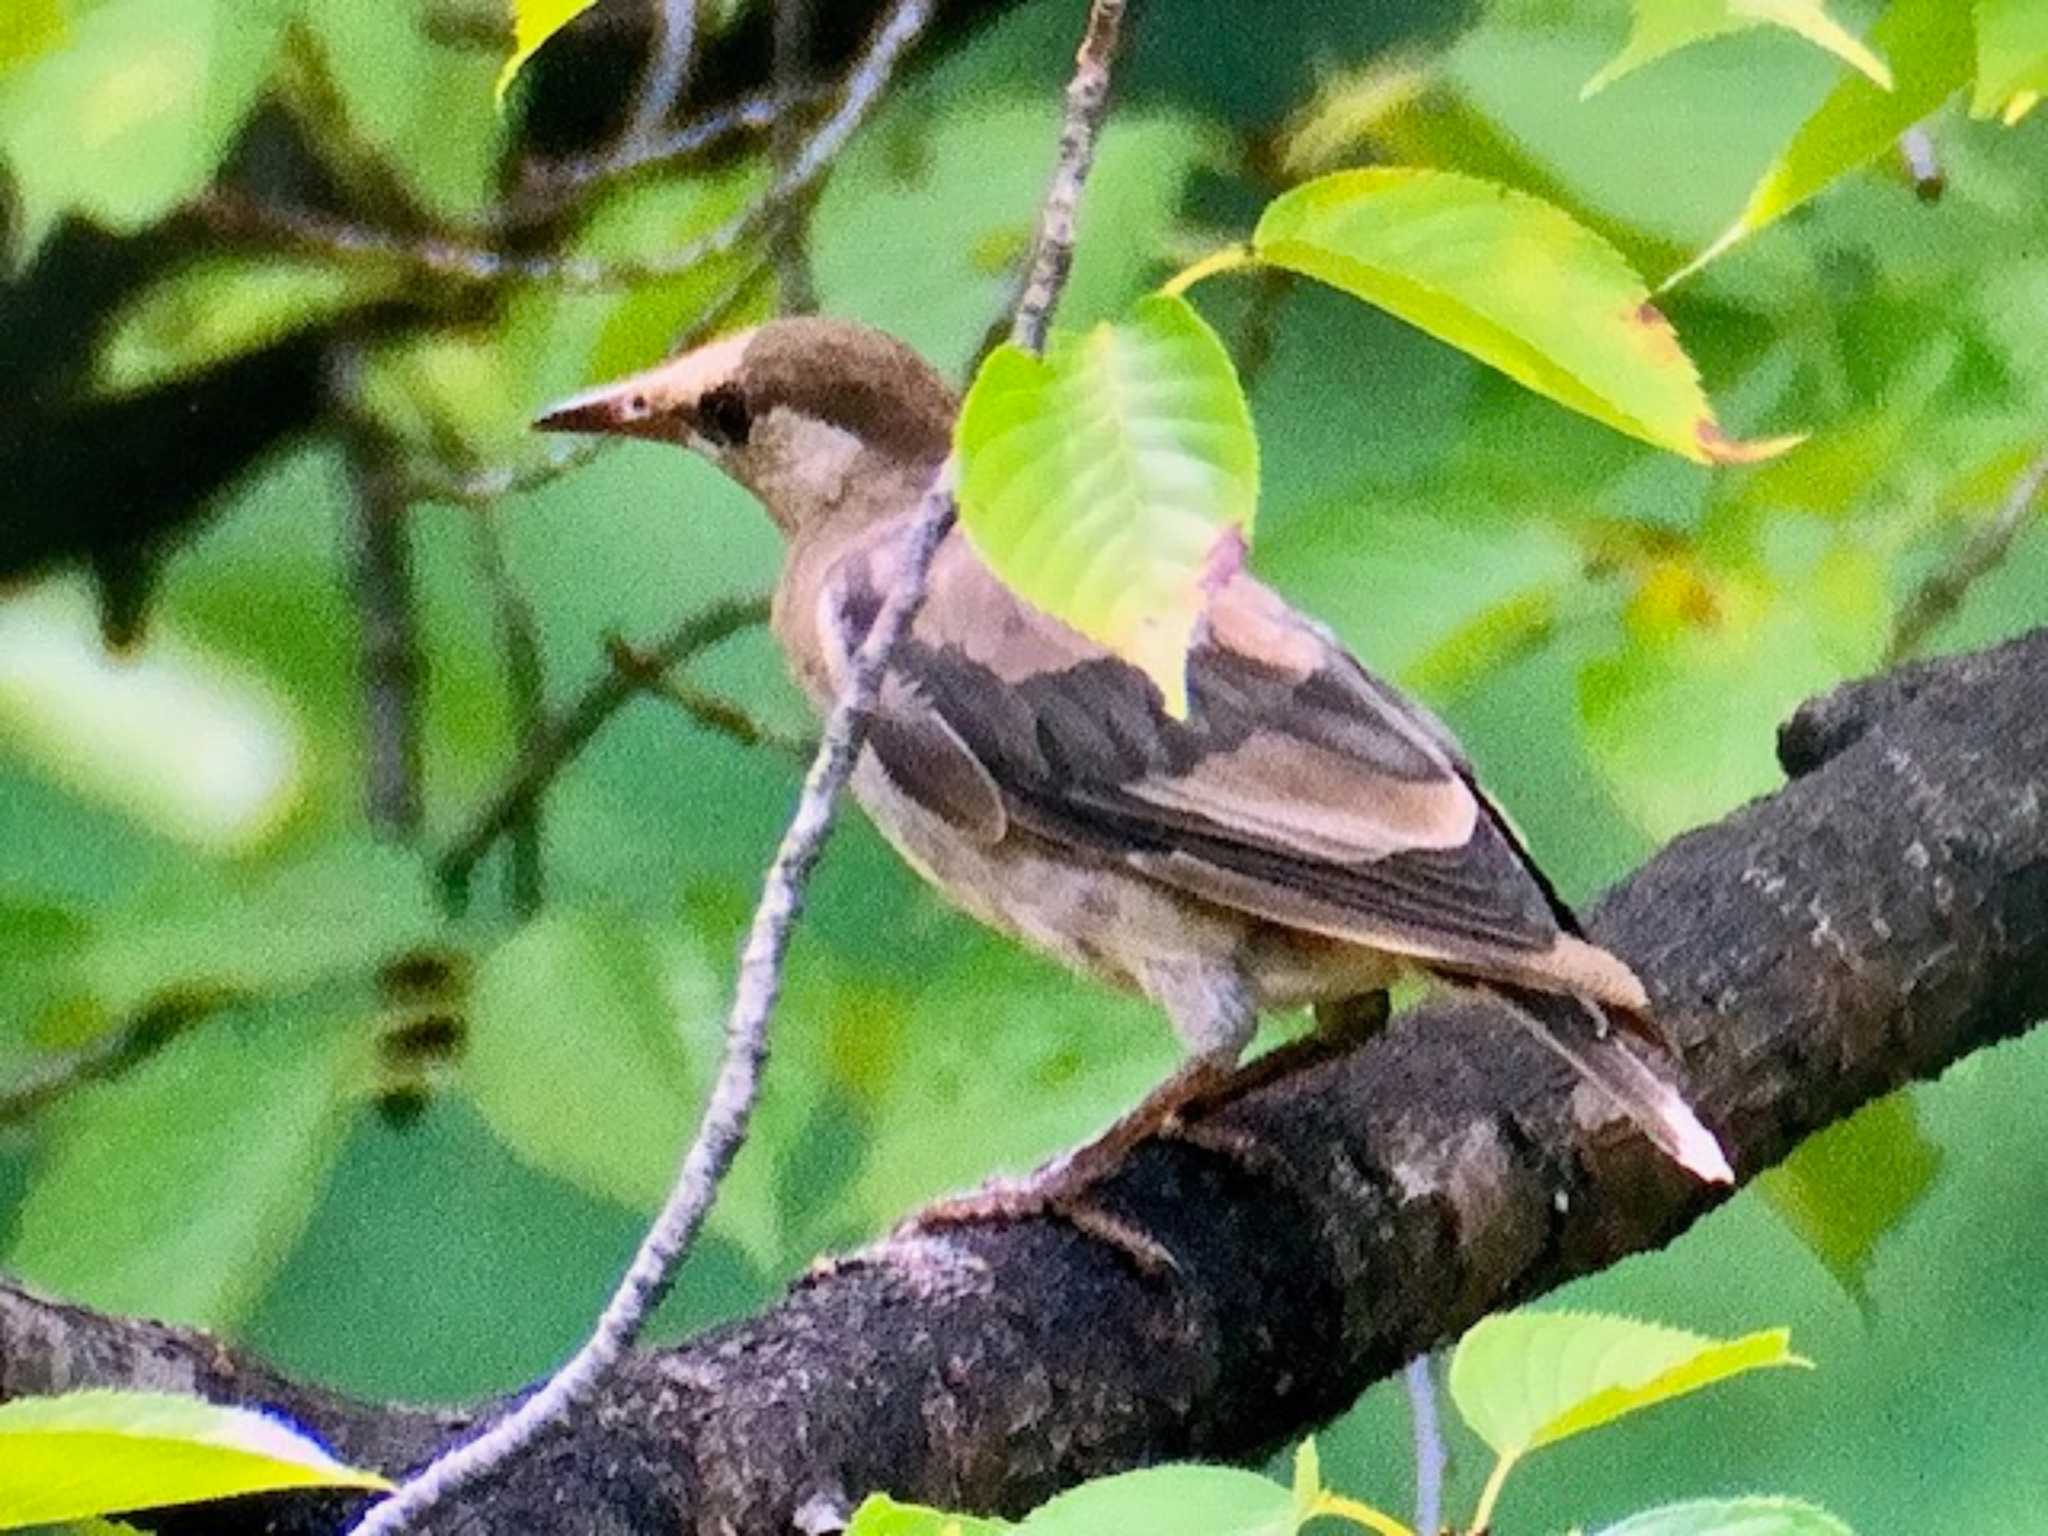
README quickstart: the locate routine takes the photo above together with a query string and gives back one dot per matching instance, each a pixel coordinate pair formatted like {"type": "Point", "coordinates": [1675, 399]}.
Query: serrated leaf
{"type": "Point", "coordinates": [1665, 26]}
{"type": "Point", "coordinates": [31, 27]}
{"type": "Point", "coordinates": [1929, 44]}
{"type": "Point", "coordinates": [1754, 1516]}
{"type": "Point", "coordinates": [1180, 1500]}
{"type": "Point", "coordinates": [2012, 58]}
{"type": "Point", "coordinates": [220, 307]}
{"type": "Point", "coordinates": [1844, 1189]}
{"type": "Point", "coordinates": [101, 1452]}
{"type": "Point", "coordinates": [880, 1515]}
{"type": "Point", "coordinates": [533, 23]}
{"type": "Point", "coordinates": [1511, 280]}
{"type": "Point", "coordinates": [1523, 1380]}
{"type": "Point", "coordinates": [1113, 481]}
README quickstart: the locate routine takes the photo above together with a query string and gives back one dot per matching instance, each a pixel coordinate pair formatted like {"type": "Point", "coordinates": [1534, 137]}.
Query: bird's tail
{"type": "Point", "coordinates": [1580, 1031]}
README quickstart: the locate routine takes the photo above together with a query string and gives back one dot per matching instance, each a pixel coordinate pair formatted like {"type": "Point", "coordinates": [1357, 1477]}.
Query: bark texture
{"type": "Point", "coordinates": [1881, 916]}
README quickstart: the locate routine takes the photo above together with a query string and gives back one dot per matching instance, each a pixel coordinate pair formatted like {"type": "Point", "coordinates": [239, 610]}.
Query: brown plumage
{"type": "Point", "coordinates": [1301, 837]}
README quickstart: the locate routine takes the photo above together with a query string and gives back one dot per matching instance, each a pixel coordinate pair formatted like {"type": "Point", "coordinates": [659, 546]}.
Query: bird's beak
{"type": "Point", "coordinates": [620, 407]}
{"type": "Point", "coordinates": [648, 403]}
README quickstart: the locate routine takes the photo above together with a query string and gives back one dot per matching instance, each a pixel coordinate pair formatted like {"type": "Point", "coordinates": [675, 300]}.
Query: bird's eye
{"type": "Point", "coordinates": [722, 416]}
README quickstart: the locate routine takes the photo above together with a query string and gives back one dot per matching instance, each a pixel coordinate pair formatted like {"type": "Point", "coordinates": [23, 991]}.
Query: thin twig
{"type": "Point", "coordinates": [117, 1051]}
{"type": "Point", "coordinates": [723, 1127]}
{"type": "Point", "coordinates": [523, 671]}
{"type": "Point", "coordinates": [1430, 1456]}
{"type": "Point", "coordinates": [666, 74]}
{"type": "Point", "coordinates": [1943, 592]}
{"type": "Point", "coordinates": [555, 745]}
{"type": "Point", "coordinates": [708, 708]}
{"type": "Point", "coordinates": [236, 214]}
{"type": "Point", "coordinates": [789, 237]}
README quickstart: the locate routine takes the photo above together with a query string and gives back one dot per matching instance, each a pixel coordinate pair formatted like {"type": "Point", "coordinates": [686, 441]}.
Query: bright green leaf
{"type": "Point", "coordinates": [1929, 44]}
{"type": "Point", "coordinates": [1182, 1500]}
{"type": "Point", "coordinates": [1845, 1188]}
{"type": "Point", "coordinates": [1523, 1380]}
{"type": "Point", "coordinates": [2012, 56]}
{"type": "Point", "coordinates": [1513, 281]}
{"type": "Point", "coordinates": [219, 307]}
{"type": "Point", "coordinates": [533, 23]}
{"type": "Point", "coordinates": [880, 1515]}
{"type": "Point", "coordinates": [1112, 481]}
{"type": "Point", "coordinates": [31, 27]}
{"type": "Point", "coordinates": [1754, 1516]}
{"type": "Point", "coordinates": [1312, 1500]}
{"type": "Point", "coordinates": [1665, 26]}
{"type": "Point", "coordinates": [100, 1452]}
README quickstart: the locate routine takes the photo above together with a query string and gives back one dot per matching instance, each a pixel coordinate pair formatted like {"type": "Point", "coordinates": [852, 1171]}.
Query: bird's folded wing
{"type": "Point", "coordinates": [1300, 789]}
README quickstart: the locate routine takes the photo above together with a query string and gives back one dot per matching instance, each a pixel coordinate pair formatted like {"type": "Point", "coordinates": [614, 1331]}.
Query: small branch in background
{"type": "Point", "coordinates": [1430, 1456]}
{"type": "Point", "coordinates": [664, 78]}
{"type": "Point", "coordinates": [380, 565]}
{"type": "Point", "coordinates": [789, 236]}
{"type": "Point", "coordinates": [1923, 165]}
{"type": "Point", "coordinates": [555, 745]}
{"type": "Point", "coordinates": [1261, 323]}
{"type": "Point", "coordinates": [523, 671]}
{"type": "Point", "coordinates": [1938, 597]}
{"type": "Point", "coordinates": [712, 710]}
{"type": "Point", "coordinates": [117, 1051]}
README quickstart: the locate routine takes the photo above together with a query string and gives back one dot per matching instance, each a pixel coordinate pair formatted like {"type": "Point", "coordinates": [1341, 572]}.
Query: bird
{"type": "Point", "coordinates": [1304, 836]}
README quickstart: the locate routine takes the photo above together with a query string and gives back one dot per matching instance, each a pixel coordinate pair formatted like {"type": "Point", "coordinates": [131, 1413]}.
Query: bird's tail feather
{"type": "Point", "coordinates": [1579, 1031]}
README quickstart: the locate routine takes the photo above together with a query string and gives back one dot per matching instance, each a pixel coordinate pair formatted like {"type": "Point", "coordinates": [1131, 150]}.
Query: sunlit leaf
{"type": "Point", "coordinates": [30, 27]}
{"type": "Point", "coordinates": [533, 23]}
{"type": "Point", "coordinates": [101, 1452]}
{"type": "Point", "coordinates": [1929, 45]}
{"type": "Point", "coordinates": [1313, 1501]}
{"type": "Point", "coordinates": [1665, 26]}
{"type": "Point", "coordinates": [2012, 57]}
{"type": "Point", "coordinates": [189, 744]}
{"type": "Point", "coordinates": [1523, 1380]}
{"type": "Point", "coordinates": [1511, 280]}
{"type": "Point", "coordinates": [1182, 1500]}
{"type": "Point", "coordinates": [1752, 1516]}
{"type": "Point", "coordinates": [1113, 481]}
{"type": "Point", "coordinates": [1844, 1189]}
{"type": "Point", "coordinates": [880, 1515]}
{"type": "Point", "coordinates": [219, 307]}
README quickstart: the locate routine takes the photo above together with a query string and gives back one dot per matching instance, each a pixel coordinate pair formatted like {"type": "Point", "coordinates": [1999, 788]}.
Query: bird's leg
{"type": "Point", "coordinates": [1342, 1025]}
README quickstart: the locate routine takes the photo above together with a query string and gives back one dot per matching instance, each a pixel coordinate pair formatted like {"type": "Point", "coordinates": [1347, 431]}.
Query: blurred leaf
{"type": "Point", "coordinates": [100, 1452]}
{"type": "Point", "coordinates": [132, 116]}
{"type": "Point", "coordinates": [1312, 1500]}
{"type": "Point", "coordinates": [454, 395]}
{"type": "Point", "coordinates": [188, 744]}
{"type": "Point", "coordinates": [1182, 1500]}
{"type": "Point", "coordinates": [1844, 1189]}
{"type": "Point", "coordinates": [176, 1190]}
{"type": "Point", "coordinates": [1928, 42]}
{"type": "Point", "coordinates": [880, 1515]}
{"type": "Point", "coordinates": [1524, 1380]}
{"type": "Point", "coordinates": [1349, 107]}
{"type": "Point", "coordinates": [575, 1025]}
{"type": "Point", "coordinates": [1664, 26]}
{"type": "Point", "coordinates": [218, 307]}
{"type": "Point", "coordinates": [1754, 1516]}
{"type": "Point", "coordinates": [1494, 636]}
{"type": "Point", "coordinates": [1113, 481]}
{"type": "Point", "coordinates": [31, 27]}
{"type": "Point", "coordinates": [1509, 279]}
{"type": "Point", "coordinates": [2012, 55]}
{"type": "Point", "coordinates": [533, 23]}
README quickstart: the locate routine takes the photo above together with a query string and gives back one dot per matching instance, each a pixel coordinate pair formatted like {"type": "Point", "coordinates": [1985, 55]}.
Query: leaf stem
{"type": "Point", "coordinates": [1232, 258]}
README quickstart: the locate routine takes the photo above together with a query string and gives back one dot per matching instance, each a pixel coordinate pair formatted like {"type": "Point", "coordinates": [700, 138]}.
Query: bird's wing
{"type": "Point", "coordinates": [1300, 789]}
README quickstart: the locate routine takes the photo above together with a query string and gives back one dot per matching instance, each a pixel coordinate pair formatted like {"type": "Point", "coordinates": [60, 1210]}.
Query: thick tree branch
{"type": "Point", "coordinates": [1881, 916]}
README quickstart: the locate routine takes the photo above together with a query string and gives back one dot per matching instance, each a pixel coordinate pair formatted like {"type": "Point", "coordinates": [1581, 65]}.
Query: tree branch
{"type": "Point", "coordinates": [1937, 598]}
{"type": "Point", "coordinates": [1881, 916]}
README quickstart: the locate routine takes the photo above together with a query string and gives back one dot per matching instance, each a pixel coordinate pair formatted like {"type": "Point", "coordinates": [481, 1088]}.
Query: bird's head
{"type": "Point", "coordinates": [822, 420]}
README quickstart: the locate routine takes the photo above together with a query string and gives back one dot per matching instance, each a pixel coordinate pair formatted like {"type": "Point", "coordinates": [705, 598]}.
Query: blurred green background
{"type": "Point", "coordinates": [405, 1149]}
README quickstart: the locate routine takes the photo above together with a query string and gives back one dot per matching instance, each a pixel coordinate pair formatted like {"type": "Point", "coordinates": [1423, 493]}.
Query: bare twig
{"type": "Point", "coordinates": [1942, 593]}
{"type": "Point", "coordinates": [723, 1127]}
{"type": "Point", "coordinates": [1430, 1456]}
{"type": "Point", "coordinates": [113, 1053]}
{"type": "Point", "coordinates": [709, 709]}
{"type": "Point", "coordinates": [666, 74]}
{"type": "Point", "coordinates": [555, 745]}
{"type": "Point", "coordinates": [789, 239]}
{"type": "Point", "coordinates": [528, 691]}
{"type": "Point", "coordinates": [237, 214]}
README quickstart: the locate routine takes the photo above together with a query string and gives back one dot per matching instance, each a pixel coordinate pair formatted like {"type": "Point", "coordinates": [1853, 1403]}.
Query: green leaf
{"type": "Point", "coordinates": [100, 1452]}
{"type": "Point", "coordinates": [219, 307]}
{"type": "Point", "coordinates": [880, 1515]}
{"type": "Point", "coordinates": [31, 27]}
{"type": "Point", "coordinates": [1181, 1500]}
{"type": "Point", "coordinates": [2012, 57]}
{"type": "Point", "coordinates": [1665, 26]}
{"type": "Point", "coordinates": [575, 1022]}
{"type": "Point", "coordinates": [185, 742]}
{"type": "Point", "coordinates": [1753, 1516]}
{"type": "Point", "coordinates": [1513, 281]}
{"type": "Point", "coordinates": [1113, 481]}
{"type": "Point", "coordinates": [1844, 1189]}
{"type": "Point", "coordinates": [1524, 1380]}
{"type": "Point", "coordinates": [533, 23]}
{"type": "Point", "coordinates": [177, 1190]}
{"type": "Point", "coordinates": [132, 116]}
{"type": "Point", "coordinates": [1929, 44]}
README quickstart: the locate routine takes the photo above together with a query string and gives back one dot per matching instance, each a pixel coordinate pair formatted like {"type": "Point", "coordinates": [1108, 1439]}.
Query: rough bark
{"type": "Point", "coordinates": [1882, 915]}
